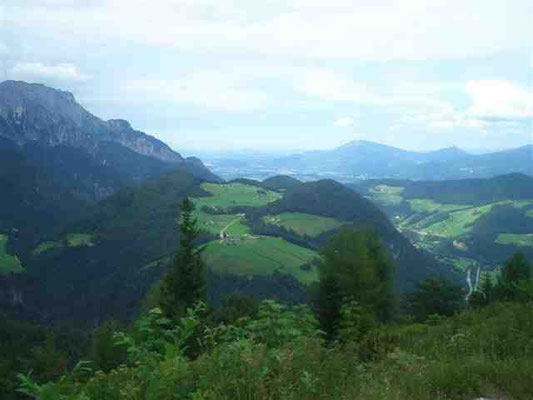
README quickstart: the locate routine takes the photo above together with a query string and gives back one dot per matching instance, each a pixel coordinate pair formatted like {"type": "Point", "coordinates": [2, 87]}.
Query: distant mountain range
{"type": "Point", "coordinates": [366, 160]}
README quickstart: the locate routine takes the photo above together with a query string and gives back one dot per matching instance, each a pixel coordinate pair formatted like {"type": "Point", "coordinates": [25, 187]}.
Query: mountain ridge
{"type": "Point", "coordinates": [35, 112]}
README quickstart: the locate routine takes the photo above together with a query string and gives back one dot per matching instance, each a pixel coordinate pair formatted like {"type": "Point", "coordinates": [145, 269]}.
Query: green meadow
{"type": "Point", "coordinates": [459, 222]}
{"type": "Point", "coordinates": [262, 255]}
{"type": "Point", "coordinates": [429, 206]}
{"type": "Point", "coordinates": [71, 240]}
{"type": "Point", "coordinates": [387, 195]}
{"type": "Point", "coordinates": [235, 194]}
{"type": "Point", "coordinates": [230, 223]}
{"type": "Point", "coordinates": [303, 224]}
{"type": "Point", "coordinates": [8, 263]}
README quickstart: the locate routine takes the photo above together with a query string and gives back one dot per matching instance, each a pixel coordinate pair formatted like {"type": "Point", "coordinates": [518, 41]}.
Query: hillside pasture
{"type": "Point", "coordinates": [79, 240]}
{"type": "Point", "coordinates": [235, 194]}
{"type": "Point", "coordinates": [515, 239]}
{"type": "Point", "coordinates": [70, 240]}
{"type": "Point", "coordinates": [262, 255]}
{"type": "Point", "coordinates": [215, 223]}
{"type": "Point", "coordinates": [460, 222]}
{"type": "Point", "coordinates": [8, 263]}
{"type": "Point", "coordinates": [303, 224]}
{"type": "Point", "coordinates": [387, 195]}
{"type": "Point", "coordinates": [430, 206]}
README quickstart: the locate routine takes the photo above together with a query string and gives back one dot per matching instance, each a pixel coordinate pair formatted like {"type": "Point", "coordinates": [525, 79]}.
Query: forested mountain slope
{"type": "Point", "coordinates": [470, 222]}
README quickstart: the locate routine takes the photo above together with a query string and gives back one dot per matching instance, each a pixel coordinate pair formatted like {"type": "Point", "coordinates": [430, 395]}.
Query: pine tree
{"type": "Point", "coordinates": [516, 269]}
{"type": "Point", "coordinates": [516, 273]}
{"type": "Point", "coordinates": [184, 284]}
{"type": "Point", "coordinates": [355, 266]}
{"type": "Point", "coordinates": [487, 288]}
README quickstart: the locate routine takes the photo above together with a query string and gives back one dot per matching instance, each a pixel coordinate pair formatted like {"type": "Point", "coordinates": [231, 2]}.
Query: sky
{"type": "Point", "coordinates": [284, 75]}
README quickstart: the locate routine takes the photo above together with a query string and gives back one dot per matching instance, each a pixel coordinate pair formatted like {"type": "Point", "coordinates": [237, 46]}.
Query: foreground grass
{"type": "Point", "coordinates": [278, 355]}
{"type": "Point", "coordinates": [8, 262]}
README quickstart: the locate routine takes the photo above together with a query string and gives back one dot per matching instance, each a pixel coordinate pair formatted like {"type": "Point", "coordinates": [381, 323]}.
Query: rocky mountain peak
{"type": "Point", "coordinates": [119, 125]}
{"type": "Point", "coordinates": [31, 112]}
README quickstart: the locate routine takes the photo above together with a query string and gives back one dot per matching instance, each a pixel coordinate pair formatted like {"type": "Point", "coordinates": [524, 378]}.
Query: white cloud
{"type": "Point", "coordinates": [332, 86]}
{"type": "Point", "coordinates": [36, 71]}
{"type": "Point", "coordinates": [362, 30]}
{"type": "Point", "coordinates": [210, 89]}
{"type": "Point", "coordinates": [499, 99]}
{"type": "Point", "coordinates": [344, 122]}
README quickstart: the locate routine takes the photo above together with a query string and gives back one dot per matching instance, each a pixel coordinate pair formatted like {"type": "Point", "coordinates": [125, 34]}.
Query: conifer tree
{"type": "Point", "coordinates": [184, 284]}
{"type": "Point", "coordinates": [356, 267]}
{"type": "Point", "coordinates": [516, 269]}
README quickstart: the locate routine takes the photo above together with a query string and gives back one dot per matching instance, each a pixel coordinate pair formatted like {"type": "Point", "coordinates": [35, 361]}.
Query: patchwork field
{"type": "Point", "coordinates": [515, 239]}
{"type": "Point", "coordinates": [235, 194]}
{"type": "Point", "coordinates": [303, 224]}
{"type": "Point", "coordinates": [8, 262]}
{"type": "Point", "coordinates": [260, 256]}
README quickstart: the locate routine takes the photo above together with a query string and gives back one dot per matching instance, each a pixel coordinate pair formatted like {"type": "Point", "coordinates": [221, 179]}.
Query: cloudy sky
{"type": "Point", "coordinates": [286, 74]}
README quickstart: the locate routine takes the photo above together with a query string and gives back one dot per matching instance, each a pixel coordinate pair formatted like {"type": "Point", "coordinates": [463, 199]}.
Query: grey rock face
{"type": "Point", "coordinates": [34, 112]}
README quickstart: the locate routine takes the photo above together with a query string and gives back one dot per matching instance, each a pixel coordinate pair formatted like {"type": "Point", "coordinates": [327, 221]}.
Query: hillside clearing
{"type": "Point", "coordinates": [235, 194]}
{"type": "Point", "coordinates": [260, 256]}
{"type": "Point", "coordinates": [8, 263]}
{"type": "Point", "coordinates": [303, 224]}
{"type": "Point", "coordinates": [215, 223]}
{"type": "Point", "coordinates": [515, 239]}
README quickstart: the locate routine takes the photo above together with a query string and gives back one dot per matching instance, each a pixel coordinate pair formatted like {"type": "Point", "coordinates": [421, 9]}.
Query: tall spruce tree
{"type": "Point", "coordinates": [184, 284]}
{"type": "Point", "coordinates": [354, 266]}
{"type": "Point", "coordinates": [516, 269]}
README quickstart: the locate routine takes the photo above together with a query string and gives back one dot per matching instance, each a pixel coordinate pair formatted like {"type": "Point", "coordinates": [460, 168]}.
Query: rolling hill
{"type": "Point", "coordinates": [258, 241]}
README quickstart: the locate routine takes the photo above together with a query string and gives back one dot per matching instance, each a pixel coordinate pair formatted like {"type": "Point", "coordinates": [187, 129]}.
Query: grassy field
{"type": "Point", "coordinates": [79, 239]}
{"type": "Point", "coordinates": [515, 239]}
{"type": "Point", "coordinates": [387, 195]}
{"type": "Point", "coordinates": [529, 213]}
{"type": "Point", "coordinates": [303, 224]}
{"type": "Point", "coordinates": [260, 256]}
{"type": "Point", "coordinates": [235, 194]}
{"type": "Point", "coordinates": [216, 223]}
{"type": "Point", "coordinates": [459, 222]}
{"type": "Point", "coordinates": [429, 206]}
{"type": "Point", "coordinates": [71, 240]}
{"type": "Point", "coordinates": [45, 246]}
{"type": "Point", "coordinates": [8, 263]}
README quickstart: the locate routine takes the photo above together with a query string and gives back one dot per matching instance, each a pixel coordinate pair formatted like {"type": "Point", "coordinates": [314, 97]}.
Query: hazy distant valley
{"type": "Point", "coordinates": [361, 160]}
